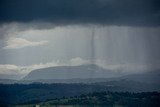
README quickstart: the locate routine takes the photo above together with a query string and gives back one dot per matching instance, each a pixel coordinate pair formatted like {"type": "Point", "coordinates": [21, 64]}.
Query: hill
{"type": "Point", "coordinates": [71, 72]}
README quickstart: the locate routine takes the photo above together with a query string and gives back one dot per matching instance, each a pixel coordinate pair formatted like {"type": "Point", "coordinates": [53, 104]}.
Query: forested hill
{"type": "Point", "coordinates": [110, 99]}
{"type": "Point", "coordinates": [11, 94]}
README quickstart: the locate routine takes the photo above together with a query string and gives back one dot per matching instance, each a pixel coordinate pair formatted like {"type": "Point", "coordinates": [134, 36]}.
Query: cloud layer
{"type": "Point", "coordinates": [9, 69]}
{"type": "Point", "coordinates": [16, 43]}
{"type": "Point", "coordinates": [110, 12]}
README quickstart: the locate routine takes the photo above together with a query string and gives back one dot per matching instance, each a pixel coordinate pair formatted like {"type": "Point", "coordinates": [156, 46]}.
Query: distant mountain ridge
{"type": "Point", "coordinates": [90, 73]}
{"type": "Point", "coordinates": [71, 72]}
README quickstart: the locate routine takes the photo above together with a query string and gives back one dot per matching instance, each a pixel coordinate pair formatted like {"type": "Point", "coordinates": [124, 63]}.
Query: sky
{"type": "Point", "coordinates": [121, 35]}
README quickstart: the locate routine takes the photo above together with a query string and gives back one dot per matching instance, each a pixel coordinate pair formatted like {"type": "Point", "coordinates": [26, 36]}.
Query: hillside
{"type": "Point", "coordinates": [71, 72]}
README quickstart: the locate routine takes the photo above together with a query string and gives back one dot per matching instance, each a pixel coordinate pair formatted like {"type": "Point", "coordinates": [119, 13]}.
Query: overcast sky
{"type": "Point", "coordinates": [115, 34]}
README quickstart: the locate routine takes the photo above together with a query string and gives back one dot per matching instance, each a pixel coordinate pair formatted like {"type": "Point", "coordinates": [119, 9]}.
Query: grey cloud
{"type": "Point", "coordinates": [9, 29]}
{"type": "Point", "coordinates": [104, 12]}
{"type": "Point", "coordinates": [111, 43]}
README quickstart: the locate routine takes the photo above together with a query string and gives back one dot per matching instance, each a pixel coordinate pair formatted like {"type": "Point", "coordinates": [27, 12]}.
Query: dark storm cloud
{"type": "Point", "coordinates": [107, 12]}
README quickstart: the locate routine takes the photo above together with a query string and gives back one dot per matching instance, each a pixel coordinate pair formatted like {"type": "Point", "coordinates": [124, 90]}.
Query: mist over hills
{"type": "Point", "coordinates": [145, 77]}
{"type": "Point", "coordinates": [89, 73]}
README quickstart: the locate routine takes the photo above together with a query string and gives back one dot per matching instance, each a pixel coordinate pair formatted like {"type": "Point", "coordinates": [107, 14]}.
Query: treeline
{"type": "Point", "coordinates": [13, 94]}
{"type": "Point", "coordinates": [111, 99]}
